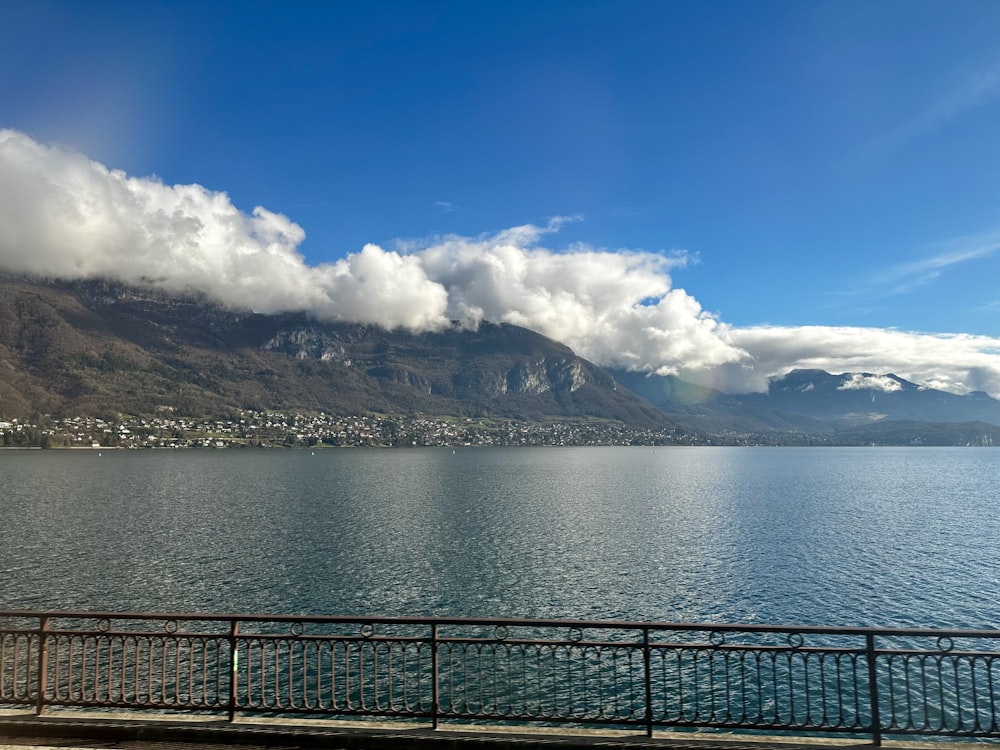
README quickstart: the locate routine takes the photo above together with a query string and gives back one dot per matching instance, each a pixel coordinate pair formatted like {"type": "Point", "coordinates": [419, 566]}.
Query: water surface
{"type": "Point", "coordinates": [836, 536]}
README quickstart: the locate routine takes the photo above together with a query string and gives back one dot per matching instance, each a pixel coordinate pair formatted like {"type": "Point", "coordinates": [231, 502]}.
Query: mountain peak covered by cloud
{"type": "Point", "coordinates": [863, 381]}
{"type": "Point", "coordinates": [66, 216]}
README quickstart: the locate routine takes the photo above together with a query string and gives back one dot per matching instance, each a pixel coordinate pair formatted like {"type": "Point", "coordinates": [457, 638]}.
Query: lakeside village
{"type": "Point", "coordinates": [291, 430]}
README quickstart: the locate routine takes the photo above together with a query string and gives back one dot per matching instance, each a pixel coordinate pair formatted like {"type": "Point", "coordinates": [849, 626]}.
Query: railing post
{"type": "Point", "coordinates": [648, 681]}
{"type": "Point", "coordinates": [234, 665]}
{"type": "Point", "coordinates": [43, 664]}
{"type": "Point", "coordinates": [873, 688]}
{"type": "Point", "coordinates": [435, 696]}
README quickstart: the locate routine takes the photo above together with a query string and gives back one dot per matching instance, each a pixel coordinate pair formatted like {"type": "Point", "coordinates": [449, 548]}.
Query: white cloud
{"type": "Point", "coordinates": [617, 308]}
{"type": "Point", "coordinates": [958, 363]}
{"type": "Point", "coordinates": [64, 215]}
{"type": "Point", "coordinates": [385, 288]}
{"type": "Point", "coordinates": [857, 381]}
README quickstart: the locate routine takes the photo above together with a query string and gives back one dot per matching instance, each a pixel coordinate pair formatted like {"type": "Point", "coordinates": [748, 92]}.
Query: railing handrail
{"type": "Point", "coordinates": [639, 625]}
{"type": "Point", "coordinates": [819, 679]}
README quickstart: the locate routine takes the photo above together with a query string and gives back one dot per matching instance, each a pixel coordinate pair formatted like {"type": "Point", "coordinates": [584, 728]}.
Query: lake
{"type": "Point", "coordinates": [815, 536]}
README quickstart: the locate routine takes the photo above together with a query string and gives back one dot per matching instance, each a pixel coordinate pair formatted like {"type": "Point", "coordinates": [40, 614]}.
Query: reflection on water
{"type": "Point", "coordinates": [804, 536]}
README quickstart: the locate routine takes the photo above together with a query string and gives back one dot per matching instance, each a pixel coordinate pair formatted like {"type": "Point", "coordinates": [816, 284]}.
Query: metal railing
{"type": "Point", "coordinates": [746, 678]}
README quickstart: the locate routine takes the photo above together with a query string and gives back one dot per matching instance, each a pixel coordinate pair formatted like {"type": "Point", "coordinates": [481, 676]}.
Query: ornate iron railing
{"type": "Point", "coordinates": [746, 678]}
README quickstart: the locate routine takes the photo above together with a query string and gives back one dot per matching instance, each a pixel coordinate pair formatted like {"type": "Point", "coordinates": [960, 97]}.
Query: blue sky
{"type": "Point", "coordinates": [816, 165]}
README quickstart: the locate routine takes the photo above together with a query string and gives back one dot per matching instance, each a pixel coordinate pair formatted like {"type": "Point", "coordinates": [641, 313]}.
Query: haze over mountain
{"type": "Point", "coordinates": [858, 407]}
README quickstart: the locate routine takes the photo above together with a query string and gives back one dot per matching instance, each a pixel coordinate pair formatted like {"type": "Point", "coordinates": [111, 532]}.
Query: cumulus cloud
{"type": "Point", "coordinates": [63, 215]}
{"type": "Point", "coordinates": [617, 308]}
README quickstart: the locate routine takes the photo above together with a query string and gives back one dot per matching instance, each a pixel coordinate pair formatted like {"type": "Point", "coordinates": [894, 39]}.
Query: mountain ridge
{"type": "Point", "coordinates": [814, 401]}
{"type": "Point", "coordinates": [101, 347]}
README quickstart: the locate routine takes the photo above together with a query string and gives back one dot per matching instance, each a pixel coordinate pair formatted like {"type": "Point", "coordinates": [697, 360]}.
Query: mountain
{"type": "Point", "coordinates": [103, 348]}
{"type": "Point", "coordinates": [853, 407]}
{"type": "Point", "coordinates": [858, 399]}
{"type": "Point", "coordinates": [712, 411]}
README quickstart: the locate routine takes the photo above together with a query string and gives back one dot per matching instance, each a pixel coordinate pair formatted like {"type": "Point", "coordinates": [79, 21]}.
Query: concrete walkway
{"type": "Point", "coordinates": [95, 731]}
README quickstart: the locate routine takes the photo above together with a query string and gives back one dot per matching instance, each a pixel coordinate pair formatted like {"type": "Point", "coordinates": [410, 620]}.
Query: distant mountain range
{"type": "Point", "coordinates": [852, 407]}
{"type": "Point", "coordinates": [101, 348]}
